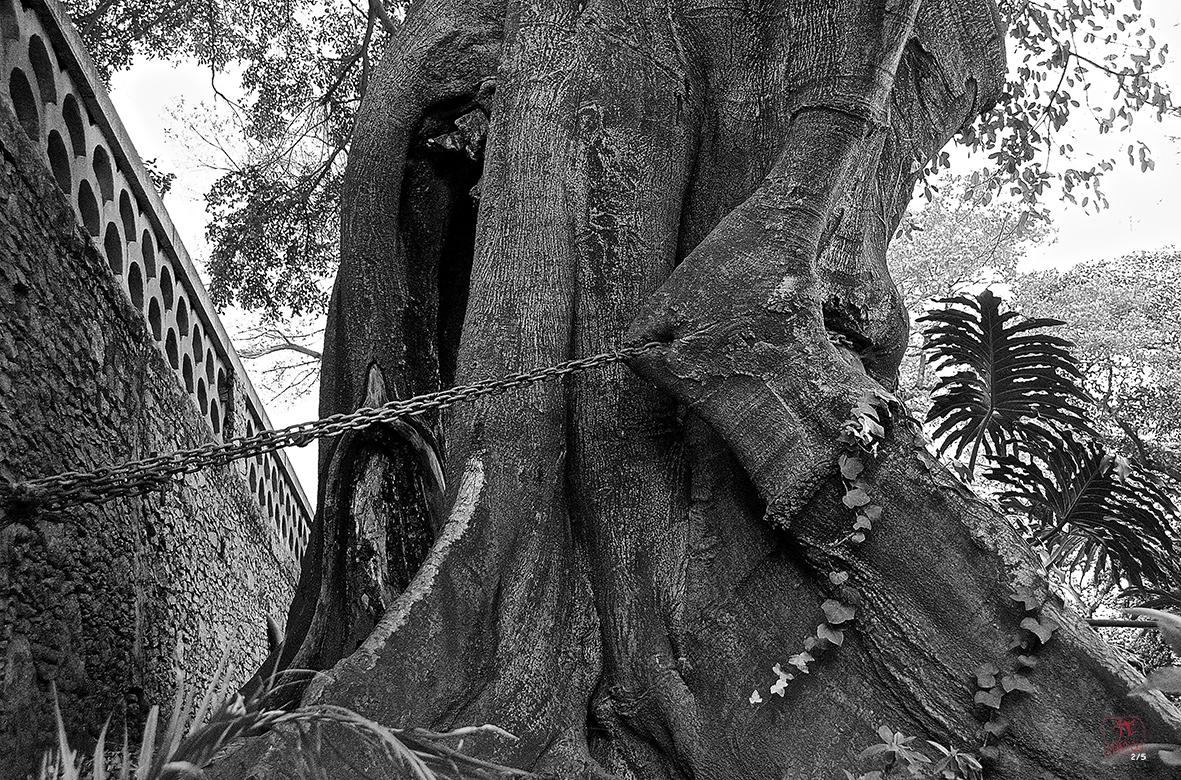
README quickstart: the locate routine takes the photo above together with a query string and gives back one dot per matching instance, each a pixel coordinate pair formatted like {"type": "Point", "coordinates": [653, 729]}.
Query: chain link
{"type": "Point", "coordinates": [143, 476]}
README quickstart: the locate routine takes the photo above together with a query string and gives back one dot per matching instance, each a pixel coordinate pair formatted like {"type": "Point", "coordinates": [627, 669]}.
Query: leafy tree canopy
{"type": "Point", "coordinates": [1123, 317]}
{"type": "Point", "coordinates": [304, 67]}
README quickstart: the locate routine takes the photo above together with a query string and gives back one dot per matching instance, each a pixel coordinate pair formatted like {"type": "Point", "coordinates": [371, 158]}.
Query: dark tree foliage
{"type": "Point", "coordinates": [1069, 59]}
{"type": "Point", "coordinates": [1097, 512]}
{"type": "Point", "coordinates": [274, 214]}
{"type": "Point", "coordinates": [1022, 394]}
{"type": "Point", "coordinates": [305, 68]}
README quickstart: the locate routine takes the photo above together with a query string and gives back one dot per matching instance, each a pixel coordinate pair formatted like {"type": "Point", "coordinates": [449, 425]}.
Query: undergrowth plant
{"type": "Point", "coordinates": [172, 750]}
{"type": "Point", "coordinates": [898, 756]}
{"type": "Point", "coordinates": [1011, 396]}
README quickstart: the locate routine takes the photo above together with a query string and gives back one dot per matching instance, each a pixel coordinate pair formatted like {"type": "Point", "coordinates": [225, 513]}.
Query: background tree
{"type": "Point", "coordinates": [950, 244]}
{"type": "Point", "coordinates": [1123, 316]}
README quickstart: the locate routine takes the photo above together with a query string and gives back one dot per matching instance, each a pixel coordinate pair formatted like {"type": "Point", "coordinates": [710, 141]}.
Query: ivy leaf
{"type": "Point", "coordinates": [996, 726]}
{"type": "Point", "coordinates": [1017, 682]}
{"type": "Point", "coordinates": [862, 523]}
{"type": "Point", "coordinates": [836, 613]}
{"type": "Point", "coordinates": [838, 577]}
{"type": "Point", "coordinates": [855, 498]}
{"type": "Point", "coordinates": [1026, 661]}
{"type": "Point", "coordinates": [1026, 596]}
{"type": "Point", "coordinates": [873, 512]}
{"type": "Point", "coordinates": [986, 675]}
{"type": "Point", "coordinates": [851, 467]}
{"type": "Point", "coordinates": [857, 538]}
{"type": "Point", "coordinates": [990, 698]}
{"type": "Point", "coordinates": [755, 698]}
{"type": "Point", "coordinates": [801, 660]}
{"type": "Point", "coordinates": [835, 636]}
{"type": "Point", "coordinates": [1043, 631]}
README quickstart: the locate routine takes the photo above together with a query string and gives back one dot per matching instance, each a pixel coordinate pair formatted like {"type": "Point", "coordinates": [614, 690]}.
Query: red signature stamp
{"type": "Point", "coordinates": [1122, 732]}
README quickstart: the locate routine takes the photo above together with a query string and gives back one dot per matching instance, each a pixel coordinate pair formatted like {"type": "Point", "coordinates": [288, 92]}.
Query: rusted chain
{"type": "Point", "coordinates": [143, 476]}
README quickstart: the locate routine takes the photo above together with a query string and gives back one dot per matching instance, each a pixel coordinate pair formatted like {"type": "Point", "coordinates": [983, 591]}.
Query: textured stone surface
{"type": "Point", "coordinates": [101, 601]}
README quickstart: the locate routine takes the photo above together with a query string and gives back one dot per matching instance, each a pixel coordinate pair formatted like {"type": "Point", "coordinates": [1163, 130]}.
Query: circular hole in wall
{"type": "Point", "coordinates": [113, 246]}
{"type": "Point", "coordinates": [170, 349]}
{"type": "Point", "coordinates": [88, 208]}
{"type": "Point", "coordinates": [215, 416]}
{"type": "Point", "coordinates": [154, 318]}
{"type": "Point", "coordinates": [74, 126]}
{"type": "Point", "coordinates": [135, 285]}
{"type": "Point", "coordinates": [198, 342]}
{"type": "Point", "coordinates": [42, 69]}
{"type": "Point", "coordinates": [210, 367]}
{"type": "Point", "coordinates": [59, 161]}
{"type": "Point", "coordinates": [182, 318]}
{"type": "Point", "coordinates": [202, 398]}
{"type": "Point", "coordinates": [187, 372]}
{"type": "Point", "coordinates": [102, 171]}
{"type": "Point", "coordinates": [147, 248]}
{"type": "Point", "coordinates": [166, 287]}
{"type": "Point", "coordinates": [127, 215]}
{"type": "Point", "coordinates": [24, 103]}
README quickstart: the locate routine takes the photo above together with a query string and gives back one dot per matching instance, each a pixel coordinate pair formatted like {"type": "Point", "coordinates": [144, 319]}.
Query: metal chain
{"type": "Point", "coordinates": [143, 476]}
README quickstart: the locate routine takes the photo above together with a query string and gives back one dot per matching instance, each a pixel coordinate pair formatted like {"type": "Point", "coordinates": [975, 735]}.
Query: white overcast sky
{"type": "Point", "coordinates": [155, 100]}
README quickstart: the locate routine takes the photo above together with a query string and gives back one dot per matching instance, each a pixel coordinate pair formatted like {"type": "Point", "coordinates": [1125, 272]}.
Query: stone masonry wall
{"type": "Point", "coordinates": [102, 600]}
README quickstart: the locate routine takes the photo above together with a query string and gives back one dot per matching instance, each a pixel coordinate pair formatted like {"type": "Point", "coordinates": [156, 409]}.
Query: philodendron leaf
{"type": "Point", "coordinates": [1093, 520]}
{"type": "Point", "coordinates": [999, 377]}
{"type": "Point", "coordinates": [836, 613]}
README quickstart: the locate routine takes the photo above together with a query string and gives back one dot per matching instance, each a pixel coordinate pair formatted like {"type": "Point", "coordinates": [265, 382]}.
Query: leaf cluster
{"type": "Point", "coordinates": [169, 750]}
{"type": "Point", "coordinates": [1019, 392]}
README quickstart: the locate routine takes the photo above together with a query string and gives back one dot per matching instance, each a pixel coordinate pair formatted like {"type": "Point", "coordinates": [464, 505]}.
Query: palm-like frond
{"type": "Point", "coordinates": [1001, 380]}
{"type": "Point", "coordinates": [1094, 509]}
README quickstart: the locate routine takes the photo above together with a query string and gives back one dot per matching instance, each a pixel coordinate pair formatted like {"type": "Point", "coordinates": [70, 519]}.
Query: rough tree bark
{"type": "Point", "coordinates": [623, 558]}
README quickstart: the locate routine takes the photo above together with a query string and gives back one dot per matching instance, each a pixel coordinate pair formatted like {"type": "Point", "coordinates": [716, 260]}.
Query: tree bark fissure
{"type": "Point", "coordinates": [625, 557]}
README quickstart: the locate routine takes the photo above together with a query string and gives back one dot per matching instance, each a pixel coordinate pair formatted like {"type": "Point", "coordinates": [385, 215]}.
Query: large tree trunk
{"type": "Point", "coordinates": [625, 557]}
